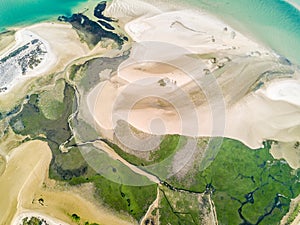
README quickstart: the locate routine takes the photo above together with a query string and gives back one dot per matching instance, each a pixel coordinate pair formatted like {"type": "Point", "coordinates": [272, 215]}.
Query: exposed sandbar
{"type": "Point", "coordinates": [157, 99]}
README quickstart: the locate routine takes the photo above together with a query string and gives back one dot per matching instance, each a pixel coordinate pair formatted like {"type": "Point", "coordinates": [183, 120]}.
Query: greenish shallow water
{"type": "Point", "coordinates": [23, 12]}
{"type": "Point", "coordinates": [275, 23]}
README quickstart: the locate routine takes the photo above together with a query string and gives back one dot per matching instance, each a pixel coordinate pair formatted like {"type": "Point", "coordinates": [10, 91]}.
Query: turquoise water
{"type": "Point", "coordinates": [275, 23]}
{"type": "Point", "coordinates": [272, 22]}
{"type": "Point", "coordinates": [21, 12]}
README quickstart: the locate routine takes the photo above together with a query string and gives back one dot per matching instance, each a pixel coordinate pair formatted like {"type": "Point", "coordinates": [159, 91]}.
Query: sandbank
{"type": "Point", "coordinates": [194, 30]}
{"type": "Point", "coordinates": [178, 105]}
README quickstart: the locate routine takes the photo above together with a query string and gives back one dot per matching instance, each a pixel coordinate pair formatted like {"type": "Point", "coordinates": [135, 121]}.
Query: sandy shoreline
{"type": "Point", "coordinates": [294, 3]}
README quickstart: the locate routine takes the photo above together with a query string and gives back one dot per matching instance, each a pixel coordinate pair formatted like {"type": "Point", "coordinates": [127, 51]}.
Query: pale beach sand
{"type": "Point", "coordinates": [23, 37]}
{"type": "Point", "coordinates": [196, 31]}
{"type": "Point", "coordinates": [63, 42]}
{"type": "Point", "coordinates": [136, 96]}
{"type": "Point", "coordinates": [63, 46]}
{"type": "Point", "coordinates": [294, 203]}
{"type": "Point", "coordinates": [287, 151]}
{"type": "Point", "coordinates": [127, 10]}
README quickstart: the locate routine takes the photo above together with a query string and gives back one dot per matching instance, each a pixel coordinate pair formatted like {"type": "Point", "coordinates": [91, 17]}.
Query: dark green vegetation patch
{"type": "Point", "coordinates": [247, 186]}
{"type": "Point", "coordinates": [34, 221]}
{"type": "Point", "coordinates": [168, 146]}
{"type": "Point", "coordinates": [94, 31]}
{"type": "Point", "coordinates": [31, 121]}
{"type": "Point", "coordinates": [72, 167]}
{"type": "Point", "coordinates": [133, 199]}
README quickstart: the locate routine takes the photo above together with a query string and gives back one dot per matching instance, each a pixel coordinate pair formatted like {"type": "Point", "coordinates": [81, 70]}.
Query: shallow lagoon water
{"type": "Point", "coordinates": [275, 23]}
{"type": "Point", "coordinates": [23, 12]}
